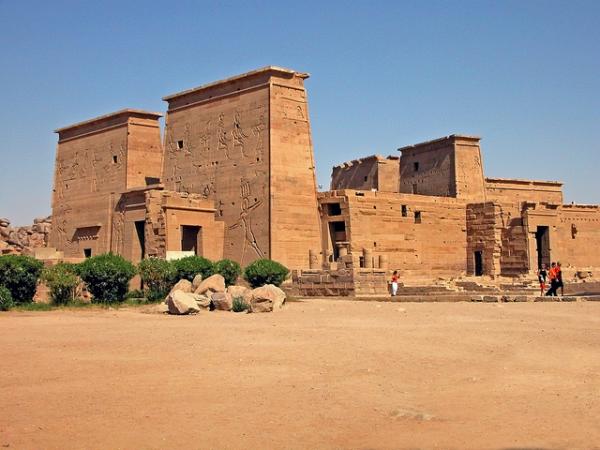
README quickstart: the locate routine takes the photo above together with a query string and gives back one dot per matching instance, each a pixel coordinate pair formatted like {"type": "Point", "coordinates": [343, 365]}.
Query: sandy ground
{"type": "Point", "coordinates": [320, 374]}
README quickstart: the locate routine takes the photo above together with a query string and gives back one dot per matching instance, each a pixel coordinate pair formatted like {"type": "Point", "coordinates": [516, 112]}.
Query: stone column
{"type": "Point", "coordinates": [383, 262]}
{"type": "Point", "coordinates": [313, 259]}
{"type": "Point", "coordinates": [368, 258]}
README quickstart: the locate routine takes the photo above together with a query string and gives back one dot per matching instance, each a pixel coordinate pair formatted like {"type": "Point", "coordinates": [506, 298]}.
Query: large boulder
{"type": "Point", "coordinates": [196, 282]}
{"type": "Point", "coordinates": [202, 301]}
{"type": "Point", "coordinates": [214, 283]}
{"type": "Point", "coordinates": [266, 298]}
{"type": "Point", "coordinates": [180, 302]}
{"type": "Point", "coordinates": [222, 301]}
{"type": "Point", "coordinates": [237, 291]}
{"type": "Point", "coordinates": [182, 285]}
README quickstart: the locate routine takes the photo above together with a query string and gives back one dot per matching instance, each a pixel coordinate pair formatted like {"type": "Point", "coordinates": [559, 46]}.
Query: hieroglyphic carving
{"type": "Point", "coordinates": [223, 146]}
{"type": "Point", "coordinates": [248, 205]}
{"type": "Point", "coordinates": [118, 227]}
{"type": "Point", "coordinates": [238, 134]}
{"type": "Point", "coordinates": [258, 132]}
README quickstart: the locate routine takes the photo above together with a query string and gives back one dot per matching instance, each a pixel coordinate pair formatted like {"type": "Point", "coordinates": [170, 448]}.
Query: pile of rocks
{"type": "Point", "coordinates": [22, 240]}
{"type": "Point", "coordinates": [206, 295]}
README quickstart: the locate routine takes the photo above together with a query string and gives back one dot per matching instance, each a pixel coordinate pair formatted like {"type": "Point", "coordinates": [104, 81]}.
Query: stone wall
{"type": "Point", "coordinates": [245, 143]}
{"type": "Point", "coordinates": [98, 164]}
{"type": "Point", "coordinates": [368, 173]}
{"type": "Point", "coordinates": [22, 240]}
{"type": "Point", "coordinates": [423, 237]}
{"type": "Point", "coordinates": [446, 167]}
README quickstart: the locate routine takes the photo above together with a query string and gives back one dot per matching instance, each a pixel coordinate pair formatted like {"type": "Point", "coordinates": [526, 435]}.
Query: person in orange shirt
{"type": "Point", "coordinates": [553, 277]}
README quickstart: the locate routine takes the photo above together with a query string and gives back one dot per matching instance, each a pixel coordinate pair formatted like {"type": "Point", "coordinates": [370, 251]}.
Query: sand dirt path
{"type": "Point", "coordinates": [320, 374]}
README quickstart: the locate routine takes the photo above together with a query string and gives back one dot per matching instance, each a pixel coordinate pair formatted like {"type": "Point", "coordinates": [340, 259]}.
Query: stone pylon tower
{"type": "Point", "coordinates": [245, 142]}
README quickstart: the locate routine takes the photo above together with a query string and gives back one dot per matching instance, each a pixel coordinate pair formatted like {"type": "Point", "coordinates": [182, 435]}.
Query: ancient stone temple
{"type": "Point", "coordinates": [234, 177]}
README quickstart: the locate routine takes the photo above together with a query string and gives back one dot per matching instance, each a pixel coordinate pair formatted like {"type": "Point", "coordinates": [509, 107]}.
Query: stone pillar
{"type": "Point", "coordinates": [383, 262]}
{"type": "Point", "coordinates": [313, 259]}
{"type": "Point", "coordinates": [368, 258]}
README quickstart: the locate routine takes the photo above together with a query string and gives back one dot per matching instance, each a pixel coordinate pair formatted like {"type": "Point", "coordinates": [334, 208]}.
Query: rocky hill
{"type": "Point", "coordinates": [22, 240]}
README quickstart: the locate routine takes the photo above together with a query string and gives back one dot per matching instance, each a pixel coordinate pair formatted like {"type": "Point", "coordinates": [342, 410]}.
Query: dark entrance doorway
{"type": "Point", "coordinates": [542, 241]}
{"type": "Point", "coordinates": [478, 255]}
{"type": "Point", "coordinates": [140, 226]}
{"type": "Point", "coordinates": [337, 231]}
{"type": "Point", "coordinates": [189, 238]}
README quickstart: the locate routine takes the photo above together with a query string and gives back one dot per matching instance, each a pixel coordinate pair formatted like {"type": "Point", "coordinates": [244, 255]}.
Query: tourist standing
{"type": "Point", "coordinates": [542, 276]}
{"type": "Point", "coordinates": [553, 281]}
{"type": "Point", "coordinates": [394, 283]}
{"type": "Point", "coordinates": [559, 279]}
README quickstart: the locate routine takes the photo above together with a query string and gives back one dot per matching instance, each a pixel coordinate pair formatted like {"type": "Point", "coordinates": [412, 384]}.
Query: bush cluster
{"type": "Point", "coordinates": [6, 300]}
{"type": "Point", "coordinates": [265, 271]}
{"type": "Point", "coordinates": [62, 280]}
{"type": "Point", "coordinates": [230, 270]}
{"type": "Point", "coordinates": [190, 266]}
{"type": "Point", "coordinates": [20, 274]}
{"type": "Point", "coordinates": [158, 276]}
{"type": "Point", "coordinates": [107, 276]}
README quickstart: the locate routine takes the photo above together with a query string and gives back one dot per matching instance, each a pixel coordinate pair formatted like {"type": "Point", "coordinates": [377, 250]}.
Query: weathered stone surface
{"type": "Point", "coordinates": [180, 302]}
{"type": "Point", "coordinates": [23, 240]}
{"type": "Point", "coordinates": [202, 301]}
{"type": "Point", "coordinates": [182, 285]}
{"type": "Point", "coordinates": [222, 301]}
{"type": "Point", "coordinates": [266, 299]}
{"type": "Point", "coordinates": [237, 291]}
{"type": "Point", "coordinates": [196, 282]}
{"type": "Point", "coordinates": [214, 283]}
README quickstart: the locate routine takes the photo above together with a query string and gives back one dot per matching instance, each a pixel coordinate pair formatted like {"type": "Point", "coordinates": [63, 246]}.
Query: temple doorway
{"type": "Point", "coordinates": [542, 240]}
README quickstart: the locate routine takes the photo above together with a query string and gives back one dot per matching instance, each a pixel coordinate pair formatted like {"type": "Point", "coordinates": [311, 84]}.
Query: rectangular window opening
{"type": "Point", "coordinates": [404, 211]}
{"type": "Point", "coordinates": [416, 166]}
{"type": "Point", "coordinates": [87, 252]}
{"type": "Point", "coordinates": [417, 216]}
{"type": "Point", "coordinates": [334, 209]}
{"type": "Point", "coordinates": [180, 144]}
{"type": "Point", "coordinates": [115, 159]}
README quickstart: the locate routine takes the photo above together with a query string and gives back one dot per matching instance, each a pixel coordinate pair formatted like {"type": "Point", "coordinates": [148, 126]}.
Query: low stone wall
{"type": "Point", "coordinates": [23, 240]}
{"type": "Point", "coordinates": [343, 282]}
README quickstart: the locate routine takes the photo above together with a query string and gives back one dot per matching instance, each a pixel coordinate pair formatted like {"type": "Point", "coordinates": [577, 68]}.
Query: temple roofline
{"type": "Point", "coordinates": [127, 112]}
{"type": "Point", "coordinates": [262, 70]}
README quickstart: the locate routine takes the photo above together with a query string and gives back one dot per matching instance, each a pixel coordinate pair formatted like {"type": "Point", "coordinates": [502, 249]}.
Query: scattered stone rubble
{"type": "Point", "coordinates": [211, 294]}
{"type": "Point", "coordinates": [22, 240]}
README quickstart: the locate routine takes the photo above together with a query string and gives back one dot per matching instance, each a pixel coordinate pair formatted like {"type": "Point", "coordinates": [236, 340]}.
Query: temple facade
{"type": "Point", "coordinates": [234, 177]}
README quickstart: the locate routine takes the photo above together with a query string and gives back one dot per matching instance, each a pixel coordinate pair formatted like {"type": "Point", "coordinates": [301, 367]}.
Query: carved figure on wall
{"type": "Point", "coordinates": [238, 134]}
{"type": "Point", "coordinates": [223, 146]}
{"type": "Point", "coordinates": [245, 219]}
{"type": "Point", "coordinates": [257, 131]}
{"type": "Point", "coordinates": [118, 227]}
{"type": "Point", "coordinates": [573, 231]}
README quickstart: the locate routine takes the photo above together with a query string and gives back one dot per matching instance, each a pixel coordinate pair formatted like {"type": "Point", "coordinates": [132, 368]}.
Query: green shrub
{"type": "Point", "coordinates": [239, 305]}
{"type": "Point", "coordinates": [230, 270]}
{"type": "Point", "coordinates": [135, 294]}
{"type": "Point", "coordinates": [265, 271]}
{"type": "Point", "coordinates": [20, 274]}
{"type": "Point", "coordinates": [158, 276]}
{"type": "Point", "coordinates": [190, 266]}
{"type": "Point", "coordinates": [6, 300]}
{"type": "Point", "coordinates": [107, 276]}
{"type": "Point", "coordinates": [62, 281]}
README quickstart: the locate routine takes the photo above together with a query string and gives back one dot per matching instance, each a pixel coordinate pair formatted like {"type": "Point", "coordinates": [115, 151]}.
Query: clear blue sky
{"type": "Point", "coordinates": [524, 75]}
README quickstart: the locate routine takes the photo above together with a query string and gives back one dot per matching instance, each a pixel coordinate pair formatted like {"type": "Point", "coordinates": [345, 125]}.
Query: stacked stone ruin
{"type": "Point", "coordinates": [24, 239]}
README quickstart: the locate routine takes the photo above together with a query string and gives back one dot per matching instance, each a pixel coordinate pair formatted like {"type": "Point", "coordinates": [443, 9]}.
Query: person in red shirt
{"type": "Point", "coordinates": [394, 283]}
